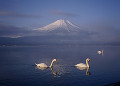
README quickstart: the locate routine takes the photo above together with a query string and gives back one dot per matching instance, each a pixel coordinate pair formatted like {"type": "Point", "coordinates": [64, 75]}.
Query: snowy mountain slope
{"type": "Point", "coordinates": [59, 25]}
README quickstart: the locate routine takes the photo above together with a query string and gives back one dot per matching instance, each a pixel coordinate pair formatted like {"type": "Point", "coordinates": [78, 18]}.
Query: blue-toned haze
{"type": "Point", "coordinates": [101, 18]}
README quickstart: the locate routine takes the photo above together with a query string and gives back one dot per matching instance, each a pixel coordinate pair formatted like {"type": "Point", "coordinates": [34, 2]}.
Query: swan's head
{"type": "Point", "coordinates": [88, 59]}
{"type": "Point", "coordinates": [99, 52]}
{"type": "Point", "coordinates": [54, 60]}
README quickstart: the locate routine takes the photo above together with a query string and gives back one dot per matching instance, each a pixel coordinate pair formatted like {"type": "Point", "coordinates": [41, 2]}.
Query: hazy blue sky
{"type": "Point", "coordinates": [18, 16]}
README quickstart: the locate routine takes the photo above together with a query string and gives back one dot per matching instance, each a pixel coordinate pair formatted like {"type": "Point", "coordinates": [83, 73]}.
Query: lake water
{"type": "Point", "coordinates": [17, 65]}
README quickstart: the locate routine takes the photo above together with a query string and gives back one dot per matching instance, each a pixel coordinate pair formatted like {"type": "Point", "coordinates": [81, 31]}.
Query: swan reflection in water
{"type": "Point", "coordinates": [87, 70]}
{"type": "Point", "coordinates": [43, 68]}
{"type": "Point", "coordinates": [54, 72]}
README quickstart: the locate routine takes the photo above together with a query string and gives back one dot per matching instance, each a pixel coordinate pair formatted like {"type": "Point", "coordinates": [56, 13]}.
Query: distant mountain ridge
{"type": "Point", "coordinates": [60, 25]}
{"type": "Point", "coordinates": [58, 32]}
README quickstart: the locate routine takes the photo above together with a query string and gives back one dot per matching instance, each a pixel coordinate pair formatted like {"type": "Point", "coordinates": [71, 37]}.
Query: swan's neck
{"type": "Point", "coordinates": [87, 63]}
{"type": "Point", "coordinates": [52, 63]}
{"type": "Point", "coordinates": [102, 52]}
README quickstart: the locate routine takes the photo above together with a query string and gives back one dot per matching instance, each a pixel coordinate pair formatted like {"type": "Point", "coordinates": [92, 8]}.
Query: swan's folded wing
{"type": "Point", "coordinates": [42, 65]}
{"type": "Point", "coordinates": [42, 68]}
{"type": "Point", "coordinates": [81, 65]}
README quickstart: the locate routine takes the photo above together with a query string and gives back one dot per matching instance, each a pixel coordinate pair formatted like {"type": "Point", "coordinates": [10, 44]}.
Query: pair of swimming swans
{"type": "Point", "coordinates": [80, 66]}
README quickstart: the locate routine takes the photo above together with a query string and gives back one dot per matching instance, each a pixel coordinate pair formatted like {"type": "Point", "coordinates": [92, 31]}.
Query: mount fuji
{"type": "Point", "coordinates": [58, 32]}
{"type": "Point", "coordinates": [59, 26]}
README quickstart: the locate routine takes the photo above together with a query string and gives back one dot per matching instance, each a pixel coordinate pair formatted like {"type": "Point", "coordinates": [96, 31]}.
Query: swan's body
{"type": "Point", "coordinates": [42, 68]}
{"type": "Point", "coordinates": [83, 66]}
{"type": "Point", "coordinates": [100, 52]}
{"type": "Point", "coordinates": [43, 65]}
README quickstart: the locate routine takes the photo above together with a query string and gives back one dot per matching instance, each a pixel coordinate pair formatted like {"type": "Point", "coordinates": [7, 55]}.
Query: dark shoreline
{"type": "Point", "coordinates": [114, 84]}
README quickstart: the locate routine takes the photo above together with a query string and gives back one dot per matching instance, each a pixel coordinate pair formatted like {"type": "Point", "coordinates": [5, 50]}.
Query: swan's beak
{"type": "Point", "coordinates": [56, 61]}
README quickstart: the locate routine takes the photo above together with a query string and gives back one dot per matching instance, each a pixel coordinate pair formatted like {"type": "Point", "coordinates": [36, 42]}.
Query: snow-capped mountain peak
{"type": "Point", "coordinates": [60, 25]}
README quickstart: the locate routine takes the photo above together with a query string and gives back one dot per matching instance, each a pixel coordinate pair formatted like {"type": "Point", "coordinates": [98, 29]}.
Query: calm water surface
{"type": "Point", "coordinates": [17, 65]}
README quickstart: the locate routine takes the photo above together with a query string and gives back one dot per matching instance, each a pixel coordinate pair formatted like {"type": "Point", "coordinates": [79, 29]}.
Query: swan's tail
{"type": "Point", "coordinates": [34, 60]}
{"type": "Point", "coordinates": [35, 64]}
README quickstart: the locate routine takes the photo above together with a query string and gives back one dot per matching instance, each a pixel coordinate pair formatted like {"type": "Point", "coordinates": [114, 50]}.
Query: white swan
{"type": "Point", "coordinates": [44, 66]}
{"type": "Point", "coordinates": [100, 52]}
{"type": "Point", "coordinates": [83, 66]}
